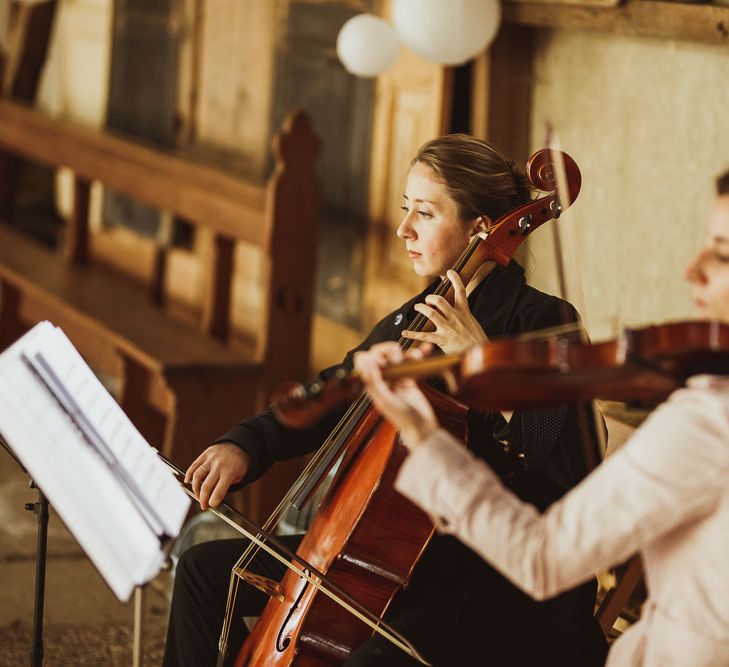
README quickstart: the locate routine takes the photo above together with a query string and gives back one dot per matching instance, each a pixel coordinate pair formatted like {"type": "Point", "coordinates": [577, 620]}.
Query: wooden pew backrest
{"type": "Point", "coordinates": [187, 373]}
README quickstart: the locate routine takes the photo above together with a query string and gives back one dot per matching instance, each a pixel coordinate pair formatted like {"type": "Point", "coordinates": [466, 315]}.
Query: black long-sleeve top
{"type": "Point", "coordinates": [539, 453]}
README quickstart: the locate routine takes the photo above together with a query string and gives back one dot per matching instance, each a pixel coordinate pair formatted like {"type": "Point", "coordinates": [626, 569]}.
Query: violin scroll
{"type": "Point", "coordinates": [301, 405]}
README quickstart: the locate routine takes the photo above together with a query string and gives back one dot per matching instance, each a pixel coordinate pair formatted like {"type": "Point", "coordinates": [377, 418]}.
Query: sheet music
{"type": "Point", "coordinates": [106, 419]}
{"type": "Point", "coordinates": [77, 480]}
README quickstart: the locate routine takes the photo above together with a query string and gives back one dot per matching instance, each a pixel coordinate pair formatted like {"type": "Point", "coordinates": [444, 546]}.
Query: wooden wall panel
{"type": "Point", "coordinates": [409, 110]}
{"type": "Point", "coordinates": [508, 95]}
{"type": "Point", "coordinates": [235, 75]}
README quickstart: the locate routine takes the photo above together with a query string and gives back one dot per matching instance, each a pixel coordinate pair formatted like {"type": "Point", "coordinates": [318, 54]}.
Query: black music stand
{"type": "Point", "coordinates": [40, 508]}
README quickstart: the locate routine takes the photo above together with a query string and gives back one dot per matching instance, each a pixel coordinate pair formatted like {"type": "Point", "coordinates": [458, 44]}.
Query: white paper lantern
{"type": "Point", "coordinates": [449, 32]}
{"type": "Point", "coordinates": [367, 45]}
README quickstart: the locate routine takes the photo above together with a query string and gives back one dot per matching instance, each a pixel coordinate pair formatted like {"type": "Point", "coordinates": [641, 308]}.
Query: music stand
{"type": "Point", "coordinates": [39, 508]}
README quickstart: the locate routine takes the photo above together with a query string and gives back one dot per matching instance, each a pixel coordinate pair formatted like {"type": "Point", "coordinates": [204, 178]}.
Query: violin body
{"type": "Point", "coordinates": [511, 374]}
{"type": "Point", "coordinates": [643, 365]}
{"type": "Point", "coordinates": [365, 537]}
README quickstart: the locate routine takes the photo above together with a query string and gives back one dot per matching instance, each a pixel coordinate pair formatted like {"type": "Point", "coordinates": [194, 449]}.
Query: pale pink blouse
{"type": "Point", "coordinates": [665, 493]}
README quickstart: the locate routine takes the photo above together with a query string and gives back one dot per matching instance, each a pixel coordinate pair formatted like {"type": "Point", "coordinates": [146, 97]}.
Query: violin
{"type": "Point", "coordinates": [642, 365]}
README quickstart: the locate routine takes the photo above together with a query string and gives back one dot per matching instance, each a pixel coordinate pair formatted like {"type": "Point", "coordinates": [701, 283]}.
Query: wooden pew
{"type": "Point", "coordinates": [180, 383]}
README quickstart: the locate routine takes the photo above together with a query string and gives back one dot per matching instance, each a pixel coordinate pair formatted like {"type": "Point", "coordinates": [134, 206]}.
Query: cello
{"type": "Point", "coordinates": [349, 539]}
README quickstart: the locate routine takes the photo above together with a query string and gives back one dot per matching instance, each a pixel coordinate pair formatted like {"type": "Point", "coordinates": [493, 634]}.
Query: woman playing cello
{"type": "Point", "coordinates": [455, 605]}
{"type": "Point", "coordinates": [665, 493]}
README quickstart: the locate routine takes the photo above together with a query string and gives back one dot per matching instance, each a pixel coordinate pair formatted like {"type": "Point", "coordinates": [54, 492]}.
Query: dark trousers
{"type": "Point", "coordinates": [456, 611]}
{"type": "Point", "coordinates": [199, 601]}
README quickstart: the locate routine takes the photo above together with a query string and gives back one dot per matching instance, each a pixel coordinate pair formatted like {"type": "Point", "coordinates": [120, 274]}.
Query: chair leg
{"type": "Point", "coordinates": [617, 598]}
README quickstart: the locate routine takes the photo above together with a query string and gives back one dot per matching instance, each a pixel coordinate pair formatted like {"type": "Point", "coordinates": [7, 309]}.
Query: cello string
{"type": "Point", "coordinates": [443, 287]}
{"type": "Point", "coordinates": [276, 517]}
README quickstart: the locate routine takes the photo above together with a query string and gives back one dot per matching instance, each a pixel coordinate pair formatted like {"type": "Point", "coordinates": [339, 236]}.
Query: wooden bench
{"type": "Point", "coordinates": [179, 382]}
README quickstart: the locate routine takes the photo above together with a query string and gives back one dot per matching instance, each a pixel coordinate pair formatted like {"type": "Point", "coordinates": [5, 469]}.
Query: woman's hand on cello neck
{"type": "Point", "coordinates": [456, 329]}
{"type": "Point", "coordinates": [402, 403]}
{"type": "Point", "coordinates": [213, 472]}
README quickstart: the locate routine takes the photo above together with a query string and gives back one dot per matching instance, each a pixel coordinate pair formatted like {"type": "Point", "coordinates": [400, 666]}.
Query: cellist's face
{"type": "Point", "coordinates": [708, 273]}
{"type": "Point", "coordinates": [432, 229]}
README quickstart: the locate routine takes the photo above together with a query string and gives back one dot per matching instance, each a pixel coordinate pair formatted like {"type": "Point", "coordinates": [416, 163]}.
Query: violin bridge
{"type": "Point", "coordinates": [268, 586]}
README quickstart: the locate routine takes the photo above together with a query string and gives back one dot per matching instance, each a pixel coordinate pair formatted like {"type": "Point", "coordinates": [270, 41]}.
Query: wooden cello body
{"type": "Point", "coordinates": [365, 537]}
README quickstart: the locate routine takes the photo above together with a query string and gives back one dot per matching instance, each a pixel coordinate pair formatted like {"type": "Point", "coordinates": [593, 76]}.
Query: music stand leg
{"type": "Point", "coordinates": [137, 657]}
{"type": "Point", "coordinates": [39, 508]}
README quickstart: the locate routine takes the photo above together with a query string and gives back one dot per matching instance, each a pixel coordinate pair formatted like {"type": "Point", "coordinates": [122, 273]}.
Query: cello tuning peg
{"type": "Point", "coordinates": [314, 390]}
{"type": "Point", "coordinates": [525, 222]}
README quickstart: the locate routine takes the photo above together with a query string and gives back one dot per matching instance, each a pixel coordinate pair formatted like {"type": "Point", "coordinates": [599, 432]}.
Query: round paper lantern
{"type": "Point", "coordinates": [449, 32]}
{"type": "Point", "coordinates": [367, 45]}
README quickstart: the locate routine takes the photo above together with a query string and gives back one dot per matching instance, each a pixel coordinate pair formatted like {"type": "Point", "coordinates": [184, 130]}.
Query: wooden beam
{"type": "Point", "coordinates": [196, 192]}
{"type": "Point", "coordinates": [9, 313]}
{"type": "Point", "coordinates": [708, 24]}
{"type": "Point", "coordinates": [216, 306]}
{"type": "Point", "coordinates": [480, 80]}
{"type": "Point", "coordinates": [509, 92]}
{"type": "Point", "coordinates": [77, 226]}
{"type": "Point", "coordinates": [30, 29]}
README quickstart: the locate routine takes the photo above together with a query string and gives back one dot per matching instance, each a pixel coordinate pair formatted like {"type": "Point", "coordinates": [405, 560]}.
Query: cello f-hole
{"type": "Point", "coordinates": [282, 643]}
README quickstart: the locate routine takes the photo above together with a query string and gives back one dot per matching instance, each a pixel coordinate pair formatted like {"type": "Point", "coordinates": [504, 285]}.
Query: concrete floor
{"type": "Point", "coordinates": [78, 603]}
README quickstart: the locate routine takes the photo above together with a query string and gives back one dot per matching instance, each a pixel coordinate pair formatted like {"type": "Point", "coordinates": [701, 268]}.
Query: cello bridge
{"type": "Point", "coordinates": [268, 586]}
